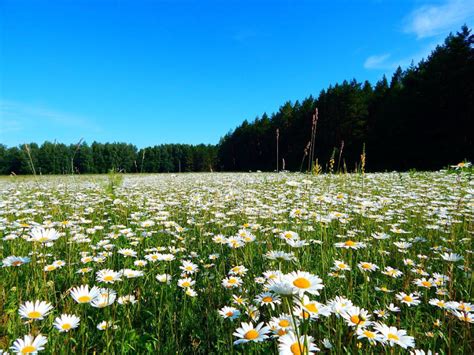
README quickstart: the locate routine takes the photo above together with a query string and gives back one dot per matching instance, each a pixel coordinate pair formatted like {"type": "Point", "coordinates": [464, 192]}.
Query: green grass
{"type": "Point", "coordinates": [188, 210]}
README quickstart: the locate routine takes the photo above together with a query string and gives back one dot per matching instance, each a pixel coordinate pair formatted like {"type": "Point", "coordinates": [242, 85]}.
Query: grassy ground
{"type": "Point", "coordinates": [243, 236]}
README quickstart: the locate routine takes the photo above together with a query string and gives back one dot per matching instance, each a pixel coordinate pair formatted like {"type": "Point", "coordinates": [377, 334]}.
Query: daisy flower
{"type": "Point", "coordinates": [29, 344]}
{"type": "Point", "coordinates": [371, 336]}
{"type": "Point", "coordinates": [366, 266]}
{"type": "Point", "coordinates": [390, 271]}
{"type": "Point", "coordinates": [82, 294]}
{"type": "Point", "coordinates": [392, 336]}
{"type": "Point", "coordinates": [423, 282]}
{"type": "Point", "coordinates": [42, 235]}
{"type": "Point", "coordinates": [290, 344]}
{"type": "Point", "coordinates": [268, 299]}
{"type": "Point", "coordinates": [247, 332]}
{"type": "Point", "coordinates": [105, 298]}
{"type": "Point", "coordinates": [108, 276]}
{"type": "Point", "coordinates": [356, 317]}
{"type": "Point", "coordinates": [186, 282]}
{"type": "Point", "coordinates": [127, 299]}
{"type": "Point", "coordinates": [340, 266]}
{"type": "Point", "coordinates": [229, 313]}
{"type": "Point", "coordinates": [350, 244]}
{"type": "Point", "coordinates": [339, 305]}
{"type": "Point", "coordinates": [315, 309]}
{"type": "Point", "coordinates": [188, 267]}
{"type": "Point", "coordinates": [232, 282]}
{"type": "Point", "coordinates": [66, 322]}
{"type": "Point", "coordinates": [37, 310]}
{"type": "Point", "coordinates": [409, 300]}
{"type": "Point", "coordinates": [15, 261]}
{"type": "Point", "coordinates": [303, 281]}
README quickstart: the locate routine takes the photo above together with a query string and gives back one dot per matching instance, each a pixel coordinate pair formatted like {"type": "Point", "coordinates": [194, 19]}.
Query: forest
{"type": "Point", "coordinates": [422, 118]}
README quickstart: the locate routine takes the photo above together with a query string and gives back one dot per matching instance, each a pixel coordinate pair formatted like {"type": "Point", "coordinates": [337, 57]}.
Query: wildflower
{"type": "Point", "coordinates": [340, 265]}
{"type": "Point", "coordinates": [350, 244]}
{"type": "Point", "coordinates": [37, 310]}
{"type": "Point", "coordinates": [105, 298]}
{"type": "Point", "coordinates": [452, 257]}
{"type": "Point", "coordinates": [424, 282]}
{"type": "Point", "coordinates": [42, 235]}
{"type": "Point", "coordinates": [304, 282]}
{"type": "Point", "coordinates": [108, 276]}
{"type": "Point", "coordinates": [371, 336]}
{"type": "Point", "coordinates": [66, 322]}
{"type": "Point", "coordinates": [268, 299]}
{"type": "Point", "coordinates": [356, 317]}
{"type": "Point", "coordinates": [409, 300]}
{"type": "Point", "coordinates": [29, 344]}
{"type": "Point", "coordinates": [389, 271]}
{"type": "Point", "coordinates": [128, 299]}
{"type": "Point", "coordinates": [186, 282]}
{"type": "Point", "coordinates": [229, 312]}
{"type": "Point", "coordinates": [392, 336]}
{"type": "Point", "coordinates": [15, 261]}
{"type": "Point", "coordinates": [188, 267]}
{"type": "Point", "coordinates": [315, 309]}
{"type": "Point", "coordinates": [366, 266]}
{"type": "Point", "coordinates": [247, 332]}
{"type": "Point", "coordinates": [164, 278]}
{"type": "Point", "coordinates": [290, 344]}
{"type": "Point", "coordinates": [82, 294]}
{"type": "Point", "coordinates": [339, 305]}
{"type": "Point", "coordinates": [232, 282]}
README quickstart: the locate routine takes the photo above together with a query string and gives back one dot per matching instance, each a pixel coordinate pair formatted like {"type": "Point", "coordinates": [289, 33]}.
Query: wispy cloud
{"type": "Point", "coordinates": [378, 62]}
{"type": "Point", "coordinates": [432, 20]}
{"type": "Point", "coordinates": [17, 116]}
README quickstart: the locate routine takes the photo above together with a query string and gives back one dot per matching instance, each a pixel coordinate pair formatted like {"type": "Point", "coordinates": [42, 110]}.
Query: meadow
{"type": "Point", "coordinates": [248, 263]}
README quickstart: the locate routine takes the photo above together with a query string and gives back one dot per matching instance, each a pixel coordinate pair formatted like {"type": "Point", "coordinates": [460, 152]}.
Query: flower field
{"type": "Point", "coordinates": [252, 263]}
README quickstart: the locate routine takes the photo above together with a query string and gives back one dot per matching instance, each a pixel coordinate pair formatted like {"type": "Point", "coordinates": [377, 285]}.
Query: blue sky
{"type": "Point", "coordinates": [185, 71]}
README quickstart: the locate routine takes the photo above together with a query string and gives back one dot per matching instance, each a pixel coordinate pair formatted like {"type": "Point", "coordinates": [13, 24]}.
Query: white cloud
{"type": "Point", "coordinates": [377, 62]}
{"type": "Point", "coordinates": [432, 20]}
{"type": "Point", "coordinates": [37, 123]}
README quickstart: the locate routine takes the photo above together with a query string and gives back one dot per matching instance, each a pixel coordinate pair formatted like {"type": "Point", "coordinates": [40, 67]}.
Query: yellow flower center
{"type": "Point", "coordinates": [349, 243]}
{"type": "Point", "coordinates": [17, 263]}
{"type": "Point", "coordinates": [365, 266]}
{"type": "Point", "coordinates": [311, 307]}
{"type": "Point", "coordinates": [301, 282]}
{"type": "Point", "coordinates": [393, 337]}
{"type": "Point", "coordinates": [34, 314]}
{"type": "Point", "coordinates": [186, 284]}
{"type": "Point", "coordinates": [426, 283]}
{"type": "Point", "coordinates": [66, 326]}
{"type": "Point", "coordinates": [355, 319]}
{"type": "Point", "coordinates": [267, 299]}
{"type": "Point", "coordinates": [232, 281]}
{"type": "Point", "coordinates": [284, 323]}
{"type": "Point", "coordinates": [369, 334]}
{"type": "Point", "coordinates": [28, 349]}
{"type": "Point", "coordinates": [281, 332]}
{"type": "Point", "coordinates": [251, 334]}
{"type": "Point", "coordinates": [408, 298]}
{"type": "Point", "coordinates": [229, 314]}
{"type": "Point", "coordinates": [108, 278]}
{"type": "Point", "coordinates": [84, 299]}
{"type": "Point", "coordinates": [297, 349]}
{"type": "Point", "coordinates": [342, 265]}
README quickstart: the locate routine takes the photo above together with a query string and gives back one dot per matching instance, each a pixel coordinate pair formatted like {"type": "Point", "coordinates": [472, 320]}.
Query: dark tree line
{"type": "Point", "coordinates": [422, 118]}
{"type": "Point", "coordinates": [58, 158]}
